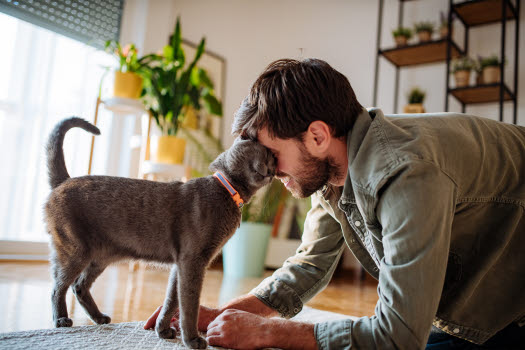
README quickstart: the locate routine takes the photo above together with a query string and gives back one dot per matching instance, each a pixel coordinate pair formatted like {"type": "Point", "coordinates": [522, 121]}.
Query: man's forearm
{"type": "Point", "coordinates": [250, 303]}
{"type": "Point", "coordinates": [292, 335]}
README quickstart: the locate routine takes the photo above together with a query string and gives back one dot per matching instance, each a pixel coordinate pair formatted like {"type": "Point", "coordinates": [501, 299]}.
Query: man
{"type": "Point", "coordinates": [433, 206]}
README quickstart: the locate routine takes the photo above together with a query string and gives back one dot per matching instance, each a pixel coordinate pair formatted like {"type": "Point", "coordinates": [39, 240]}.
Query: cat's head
{"type": "Point", "coordinates": [248, 162]}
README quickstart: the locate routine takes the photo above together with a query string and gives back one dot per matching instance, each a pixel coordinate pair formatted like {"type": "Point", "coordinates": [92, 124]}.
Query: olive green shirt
{"type": "Point", "coordinates": [434, 208]}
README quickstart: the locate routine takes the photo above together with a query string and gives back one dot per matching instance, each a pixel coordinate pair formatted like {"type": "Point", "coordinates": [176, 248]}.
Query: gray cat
{"type": "Point", "coordinates": [97, 220]}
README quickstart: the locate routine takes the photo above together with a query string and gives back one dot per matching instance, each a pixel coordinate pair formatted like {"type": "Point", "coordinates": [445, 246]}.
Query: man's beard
{"type": "Point", "coordinates": [316, 173]}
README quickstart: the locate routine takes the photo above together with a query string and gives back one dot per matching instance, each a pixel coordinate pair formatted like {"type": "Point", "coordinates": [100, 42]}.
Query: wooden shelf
{"type": "Point", "coordinates": [481, 93]}
{"type": "Point", "coordinates": [478, 12]}
{"type": "Point", "coordinates": [429, 52]}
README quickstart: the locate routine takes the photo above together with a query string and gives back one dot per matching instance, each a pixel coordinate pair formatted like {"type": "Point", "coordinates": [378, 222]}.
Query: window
{"type": "Point", "coordinates": [44, 77]}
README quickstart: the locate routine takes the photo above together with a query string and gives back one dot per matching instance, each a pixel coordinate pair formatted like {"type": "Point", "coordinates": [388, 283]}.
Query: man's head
{"type": "Point", "coordinates": [300, 110]}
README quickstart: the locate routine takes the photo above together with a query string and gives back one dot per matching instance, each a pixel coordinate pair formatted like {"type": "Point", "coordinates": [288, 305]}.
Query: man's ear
{"type": "Point", "coordinates": [318, 138]}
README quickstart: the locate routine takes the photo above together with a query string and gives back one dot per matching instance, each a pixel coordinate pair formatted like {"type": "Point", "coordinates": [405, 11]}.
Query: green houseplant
{"type": "Point", "coordinates": [416, 96]}
{"type": "Point", "coordinates": [424, 30]}
{"type": "Point", "coordinates": [173, 89]}
{"type": "Point", "coordinates": [461, 68]}
{"type": "Point", "coordinates": [245, 253]}
{"type": "Point", "coordinates": [443, 25]}
{"type": "Point", "coordinates": [128, 82]}
{"type": "Point", "coordinates": [402, 35]}
{"type": "Point", "coordinates": [490, 68]}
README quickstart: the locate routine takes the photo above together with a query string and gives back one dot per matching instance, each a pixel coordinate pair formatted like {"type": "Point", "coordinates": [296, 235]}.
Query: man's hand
{"type": "Point", "coordinates": [243, 330]}
{"type": "Point", "coordinates": [206, 315]}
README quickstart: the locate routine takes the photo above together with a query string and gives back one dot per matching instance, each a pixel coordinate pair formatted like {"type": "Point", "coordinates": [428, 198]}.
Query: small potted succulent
{"type": "Point", "coordinates": [128, 81]}
{"type": "Point", "coordinates": [490, 68]}
{"type": "Point", "coordinates": [416, 97]}
{"type": "Point", "coordinates": [424, 31]}
{"type": "Point", "coordinates": [402, 35]}
{"type": "Point", "coordinates": [461, 68]}
{"type": "Point", "coordinates": [479, 71]}
{"type": "Point", "coordinates": [443, 26]}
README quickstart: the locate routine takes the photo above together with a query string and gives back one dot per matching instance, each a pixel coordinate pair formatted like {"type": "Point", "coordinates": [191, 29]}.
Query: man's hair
{"type": "Point", "coordinates": [289, 95]}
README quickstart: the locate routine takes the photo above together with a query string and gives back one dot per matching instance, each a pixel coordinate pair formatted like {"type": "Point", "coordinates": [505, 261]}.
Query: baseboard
{"type": "Point", "coordinates": [21, 250]}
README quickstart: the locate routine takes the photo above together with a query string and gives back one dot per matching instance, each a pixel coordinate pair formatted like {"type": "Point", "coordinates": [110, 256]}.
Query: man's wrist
{"type": "Point", "coordinates": [250, 303]}
{"type": "Point", "coordinates": [286, 334]}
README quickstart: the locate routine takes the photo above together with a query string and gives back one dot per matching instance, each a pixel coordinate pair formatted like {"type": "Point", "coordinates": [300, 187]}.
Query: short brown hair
{"type": "Point", "coordinates": [291, 94]}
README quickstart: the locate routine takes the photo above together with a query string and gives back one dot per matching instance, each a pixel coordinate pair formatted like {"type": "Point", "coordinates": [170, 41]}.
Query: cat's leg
{"type": "Point", "coordinates": [190, 284]}
{"type": "Point", "coordinates": [81, 290]}
{"type": "Point", "coordinates": [162, 327]}
{"type": "Point", "coordinates": [64, 270]}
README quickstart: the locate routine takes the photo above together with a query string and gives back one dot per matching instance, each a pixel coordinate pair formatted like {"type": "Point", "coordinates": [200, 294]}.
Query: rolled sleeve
{"type": "Point", "coordinates": [333, 335]}
{"type": "Point", "coordinates": [310, 269]}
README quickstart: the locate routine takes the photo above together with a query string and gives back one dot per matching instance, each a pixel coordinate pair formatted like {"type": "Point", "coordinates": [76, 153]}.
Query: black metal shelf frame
{"type": "Point", "coordinates": [503, 88]}
{"type": "Point", "coordinates": [504, 91]}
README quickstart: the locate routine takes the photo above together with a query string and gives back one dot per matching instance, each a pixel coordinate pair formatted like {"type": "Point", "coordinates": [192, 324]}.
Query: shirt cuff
{"type": "Point", "coordinates": [333, 334]}
{"type": "Point", "coordinates": [279, 296]}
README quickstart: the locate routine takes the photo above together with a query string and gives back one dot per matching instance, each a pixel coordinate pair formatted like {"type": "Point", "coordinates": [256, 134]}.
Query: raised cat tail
{"type": "Point", "coordinates": [56, 165]}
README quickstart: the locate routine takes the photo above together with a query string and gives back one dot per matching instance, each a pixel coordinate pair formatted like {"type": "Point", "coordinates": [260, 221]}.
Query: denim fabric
{"type": "Point", "coordinates": [434, 208]}
{"type": "Point", "coordinates": [511, 337]}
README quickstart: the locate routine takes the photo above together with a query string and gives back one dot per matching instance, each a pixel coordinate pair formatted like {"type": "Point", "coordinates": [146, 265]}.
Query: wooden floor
{"type": "Point", "coordinates": [132, 294]}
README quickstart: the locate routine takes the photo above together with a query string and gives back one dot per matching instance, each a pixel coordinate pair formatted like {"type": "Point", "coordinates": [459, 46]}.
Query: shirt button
{"type": "Point", "coordinates": [456, 330]}
{"type": "Point", "coordinates": [357, 223]}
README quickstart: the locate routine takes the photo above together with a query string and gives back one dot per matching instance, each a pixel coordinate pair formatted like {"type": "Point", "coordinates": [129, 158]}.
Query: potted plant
{"type": "Point", "coordinates": [174, 89]}
{"type": "Point", "coordinates": [127, 82]}
{"type": "Point", "coordinates": [443, 26]}
{"type": "Point", "coordinates": [416, 97]}
{"type": "Point", "coordinates": [490, 68]}
{"type": "Point", "coordinates": [245, 253]}
{"type": "Point", "coordinates": [424, 30]}
{"type": "Point", "coordinates": [402, 35]}
{"type": "Point", "coordinates": [479, 71]}
{"type": "Point", "coordinates": [461, 68]}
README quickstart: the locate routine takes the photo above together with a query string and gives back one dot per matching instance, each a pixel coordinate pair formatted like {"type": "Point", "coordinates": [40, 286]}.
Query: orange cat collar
{"type": "Point", "coordinates": [235, 195]}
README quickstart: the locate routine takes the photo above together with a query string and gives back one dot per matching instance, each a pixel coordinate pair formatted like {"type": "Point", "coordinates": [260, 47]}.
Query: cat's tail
{"type": "Point", "coordinates": [56, 165]}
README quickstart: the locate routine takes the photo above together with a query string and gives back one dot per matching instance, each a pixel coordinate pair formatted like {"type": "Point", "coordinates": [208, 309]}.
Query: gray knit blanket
{"type": "Point", "coordinates": [117, 336]}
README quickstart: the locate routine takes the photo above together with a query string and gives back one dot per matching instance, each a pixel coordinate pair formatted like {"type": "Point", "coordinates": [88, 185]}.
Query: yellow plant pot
{"type": "Point", "coordinates": [462, 78]}
{"type": "Point", "coordinates": [414, 108]}
{"type": "Point", "coordinates": [491, 75]}
{"type": "Point", "coordinates": [127, 85]}
{"type": "Point", "coordinates": [170, 149]}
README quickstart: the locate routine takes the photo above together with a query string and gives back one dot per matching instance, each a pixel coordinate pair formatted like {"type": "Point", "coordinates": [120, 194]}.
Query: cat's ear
{"type": "Point", "coordinates": [219, 163]}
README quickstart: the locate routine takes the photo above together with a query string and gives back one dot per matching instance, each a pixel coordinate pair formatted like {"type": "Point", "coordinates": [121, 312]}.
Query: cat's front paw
{"type": "Point", "coordinates": [168, 333]}
{"type": "Point", "coordinates": [63, 322]}
{"type": "Point", "coordinates": [196, 343]}
{"type": "Point", "coordinates": [102, 319]}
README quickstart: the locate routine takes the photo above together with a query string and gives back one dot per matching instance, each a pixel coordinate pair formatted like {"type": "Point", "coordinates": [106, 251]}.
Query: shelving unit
{"type": "Point", "coordinates": [475, 13]}
{"type": "Point", "coordinates": [422, 53]}
{"type": "Point", "coordinates": [470, 13]}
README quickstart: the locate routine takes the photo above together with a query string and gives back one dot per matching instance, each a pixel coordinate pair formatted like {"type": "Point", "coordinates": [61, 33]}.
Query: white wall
{"type": "Point", "coordinates": [251, 34]}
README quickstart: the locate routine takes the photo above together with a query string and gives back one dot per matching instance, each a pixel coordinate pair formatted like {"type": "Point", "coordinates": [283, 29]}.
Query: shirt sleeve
{"type": "Point", "coordinates": [308, 272]}
{"type": "Point", "coordinates": [415, 209]}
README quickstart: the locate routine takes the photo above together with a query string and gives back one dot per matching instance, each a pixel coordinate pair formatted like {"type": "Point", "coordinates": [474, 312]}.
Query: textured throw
{"type": "Point", "coordinates": [117, 336]}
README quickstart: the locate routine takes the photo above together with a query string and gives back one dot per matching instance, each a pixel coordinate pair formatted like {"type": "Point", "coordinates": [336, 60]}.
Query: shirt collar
{"type": "Point", "coordinates": [354, 140]}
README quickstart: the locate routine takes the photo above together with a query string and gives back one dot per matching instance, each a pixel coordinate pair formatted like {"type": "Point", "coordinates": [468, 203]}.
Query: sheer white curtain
{"type": "Point", "coordinates": [44, 77]}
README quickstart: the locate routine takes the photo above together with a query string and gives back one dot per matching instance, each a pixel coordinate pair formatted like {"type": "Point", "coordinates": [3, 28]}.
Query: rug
{"type": "Point", "coordinates": [118, 336]}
